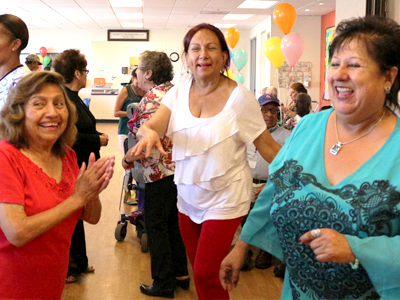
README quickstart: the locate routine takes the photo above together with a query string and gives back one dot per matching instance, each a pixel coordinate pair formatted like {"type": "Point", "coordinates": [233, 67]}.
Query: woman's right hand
{"type": "Point", "coordinates": [231, 265]}
{"type": "Point", "coordinates": [147, 139]}
{"type": "Point", "coordinates": [94, 178]}
{"type": "Point", "coordinates": [103, 140]}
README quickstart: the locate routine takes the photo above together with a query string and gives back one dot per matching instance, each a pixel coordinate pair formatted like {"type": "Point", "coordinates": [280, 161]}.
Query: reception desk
{"type": "Point", "coordinates": [102, 102]}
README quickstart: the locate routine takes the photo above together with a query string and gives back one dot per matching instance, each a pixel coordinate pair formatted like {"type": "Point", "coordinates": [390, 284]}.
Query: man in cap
{"type": "Point", "coordinates": [32, 61]}
{"type": "Point", "coordinates": [259, 167]}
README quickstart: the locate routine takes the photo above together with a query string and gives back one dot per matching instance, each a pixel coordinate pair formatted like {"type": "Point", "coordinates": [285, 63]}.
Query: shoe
{"type": "Point", "coordinates": [279, 270]}
{"type": "Point", "coordinates": [263, 260]}
{"type": "Point", "coordinates": [248, 263]}
{"type": "Point", "coordinates": [151, 290]}
{"type": "Point", "coordinates": [71, 279]}
{"type": "Point", "coordinates": [89, 269]}
{"type": "Point", "coordinates": [184, 283]}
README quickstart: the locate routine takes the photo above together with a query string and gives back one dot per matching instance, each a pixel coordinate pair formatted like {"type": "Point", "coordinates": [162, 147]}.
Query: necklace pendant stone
{"type": "Point", "coordinates": [335, 148]}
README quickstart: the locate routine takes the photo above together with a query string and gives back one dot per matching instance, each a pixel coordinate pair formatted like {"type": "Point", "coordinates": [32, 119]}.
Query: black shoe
{"type": "Point", "coordinates": [184, 283]}
{"type": "Point", "coordinates": [279, 270]}
{"type": "Point", "coordinates": [263, 260]}
{"type": "Point", "coordinates": [151, 290]}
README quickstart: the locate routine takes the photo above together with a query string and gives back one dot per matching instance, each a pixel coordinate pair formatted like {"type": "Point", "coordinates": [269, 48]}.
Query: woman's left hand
{"type": "Point", "coordinates": [330, 246]}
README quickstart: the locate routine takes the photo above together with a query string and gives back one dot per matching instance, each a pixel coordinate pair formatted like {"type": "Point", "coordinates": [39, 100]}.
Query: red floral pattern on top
{"type": "Point", "coordinates": [156, 166]}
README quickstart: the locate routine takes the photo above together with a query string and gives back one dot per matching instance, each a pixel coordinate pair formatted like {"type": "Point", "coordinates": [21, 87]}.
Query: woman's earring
{"type": "Point", "coordinates": [387, 89]}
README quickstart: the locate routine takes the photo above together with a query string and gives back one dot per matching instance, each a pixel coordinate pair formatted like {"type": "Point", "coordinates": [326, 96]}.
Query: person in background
{"type": "Point", "coordinates": [264, 90]}
{"type": "Point", "coordinates": [14, 37]}
{"type": "Point", "coordinates": [295, 89]}
{"type": "Point", "coordinates": [272, 91]}
{"type": "Point", "coordinates": [302, 107]}
{"type": "Point", "coordinates": [130, 93]}
{"type": "Point", "coordinates": [332, 201]}
{"type": "Point", "coordinates": [204, 115]}
{"type": "Point", "coordinates": [32, 61]}
{"type": "Point", "coordinates": [43, 192]}
{"type": "Point", "coordinates": [259, 167]}
{"type": "Point", "coordinates": [71, 64]}
{"type": "Point", "coordinates": [167, 251]}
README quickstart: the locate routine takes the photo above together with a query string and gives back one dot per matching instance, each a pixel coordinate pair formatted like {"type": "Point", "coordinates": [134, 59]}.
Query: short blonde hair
{"type": "Point", "coordinates": [12, 121]}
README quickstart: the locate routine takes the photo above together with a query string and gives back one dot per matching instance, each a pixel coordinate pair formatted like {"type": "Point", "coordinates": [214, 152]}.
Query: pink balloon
{"type": "Point", "coordinates": [292, 47]}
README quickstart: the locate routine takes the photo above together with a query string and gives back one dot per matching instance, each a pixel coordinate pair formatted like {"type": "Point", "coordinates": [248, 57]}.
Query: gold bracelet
{"type": "Point", "coordinates": [127, 162]}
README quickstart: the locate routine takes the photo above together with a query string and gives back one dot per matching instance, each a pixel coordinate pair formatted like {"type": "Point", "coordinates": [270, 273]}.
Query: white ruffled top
{"type": "Point", "coordinates": [212, 172]}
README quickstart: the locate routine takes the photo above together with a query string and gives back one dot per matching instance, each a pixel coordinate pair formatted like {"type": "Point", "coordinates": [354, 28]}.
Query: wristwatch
{"type": "Point", "coordinates": [128, 162]}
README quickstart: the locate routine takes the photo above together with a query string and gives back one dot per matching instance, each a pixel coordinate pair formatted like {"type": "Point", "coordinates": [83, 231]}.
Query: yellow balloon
{"type": "Point", "coordinates": [229, 74]}
{"type": "Point", "coordinates": [40, 58]}
{"type": "Point", "coordinates": [273, 51]}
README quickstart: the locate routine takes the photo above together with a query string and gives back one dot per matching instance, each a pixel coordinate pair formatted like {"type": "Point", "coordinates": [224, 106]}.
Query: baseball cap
{"type": "Point", "coordinates": [268, 98]}
{"type": "Point", "coordinates": [32, 58]}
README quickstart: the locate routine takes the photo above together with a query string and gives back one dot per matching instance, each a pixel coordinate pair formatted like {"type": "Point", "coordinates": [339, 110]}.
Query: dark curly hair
{"type": "Point", "coordinates": [12, 121]}
{"type": "Point", "coordinates": [67, 62]}
{"type": "Point", "coordinates": [160, 65]}
{"type": "Point", "coordinates": [381, 38]}
{"type": "Point", "coordinates": [224, 46]}
{"type": "Point", "coordinates": [17, 28]}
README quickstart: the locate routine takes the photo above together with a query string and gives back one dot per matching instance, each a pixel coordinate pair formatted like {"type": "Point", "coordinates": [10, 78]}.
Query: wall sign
{"type": "Point", "coordinates": [128, 35]}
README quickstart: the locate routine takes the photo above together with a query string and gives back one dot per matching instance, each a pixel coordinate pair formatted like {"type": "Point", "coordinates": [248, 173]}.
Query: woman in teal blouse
{"type": "Point", "coordinates": [131, 93]}
{"type": "Point", "coordinates": [333, 212]}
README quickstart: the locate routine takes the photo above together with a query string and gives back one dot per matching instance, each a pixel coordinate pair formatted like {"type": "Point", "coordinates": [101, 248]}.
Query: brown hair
{"type": "Point", "coordinates": [299, 87]}
{"type": "Point", "coordinates": [67, 62]}
{"type": "Point", "coordinates": [224, 46]}
{"type": "Point", "coordinates": [160, 65]}
{"type": "Point", "coordinates": [12, 121]}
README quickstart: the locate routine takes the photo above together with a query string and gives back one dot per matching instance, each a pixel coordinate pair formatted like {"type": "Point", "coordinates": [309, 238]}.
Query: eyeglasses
{"type": "Point", "coordinates": [271, 110]}
{"type": "Point", "coordinates": [87, 71]}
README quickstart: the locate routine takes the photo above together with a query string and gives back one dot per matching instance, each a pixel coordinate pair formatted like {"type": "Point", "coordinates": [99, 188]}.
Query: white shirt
{"type": "Point", "coordinates": [9, 81]}
{"type": "Point", "coordinates": [212, 173]}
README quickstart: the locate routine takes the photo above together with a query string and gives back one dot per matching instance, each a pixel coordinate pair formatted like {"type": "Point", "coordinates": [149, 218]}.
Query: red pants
{"type": "Point", "coordinates": [207, 244]}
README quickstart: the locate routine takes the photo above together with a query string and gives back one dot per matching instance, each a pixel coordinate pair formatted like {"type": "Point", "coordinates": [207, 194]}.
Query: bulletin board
{"type": "Point", "coordinates": [301, 72]}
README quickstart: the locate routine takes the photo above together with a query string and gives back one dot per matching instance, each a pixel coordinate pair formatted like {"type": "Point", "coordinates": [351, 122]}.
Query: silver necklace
{"type": "Point", "coordinates": [335, 148]}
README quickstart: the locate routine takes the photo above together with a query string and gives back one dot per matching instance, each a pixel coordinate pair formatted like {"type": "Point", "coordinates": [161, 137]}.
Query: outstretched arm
{"type": "Point", "coordinates": [149, 134]}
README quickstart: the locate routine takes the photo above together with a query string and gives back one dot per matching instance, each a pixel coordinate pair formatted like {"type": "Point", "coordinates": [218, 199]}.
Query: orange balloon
{"type": "Point", "coordinates": [284, 17]}
{"type": "Point", "coordinates": [232, 36]}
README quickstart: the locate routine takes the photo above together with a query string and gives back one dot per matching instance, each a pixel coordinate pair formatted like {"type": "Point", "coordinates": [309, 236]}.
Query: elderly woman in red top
{"type": "Point", "coordinates": [43, 192]}
{"type": "Point", "coordinates": [168, 254]}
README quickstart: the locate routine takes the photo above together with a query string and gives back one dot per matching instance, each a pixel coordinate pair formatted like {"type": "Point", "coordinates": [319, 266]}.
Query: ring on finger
{"type": "Point", "coordinates": [316, 233]}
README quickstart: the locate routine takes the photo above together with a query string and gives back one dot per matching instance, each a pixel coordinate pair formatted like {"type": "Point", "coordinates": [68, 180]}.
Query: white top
{"type": "Point", "coordinates": [9, 81]}
{"type": "Point", "coordinates": [212, 173]}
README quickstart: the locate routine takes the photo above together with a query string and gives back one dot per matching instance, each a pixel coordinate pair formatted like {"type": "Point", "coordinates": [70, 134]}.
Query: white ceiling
{"type": "Point", "coordinates": [161, 14]}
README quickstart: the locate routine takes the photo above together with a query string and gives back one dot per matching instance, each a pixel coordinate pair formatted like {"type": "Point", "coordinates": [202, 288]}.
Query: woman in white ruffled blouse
{"type": "Point", "coordinates": [211, 119]}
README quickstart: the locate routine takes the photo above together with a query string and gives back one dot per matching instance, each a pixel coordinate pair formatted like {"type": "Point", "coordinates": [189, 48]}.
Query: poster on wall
{"type": "Point", "coordinates": [329, 35]}
{"type": "Point", "coordinates": [301, 72]}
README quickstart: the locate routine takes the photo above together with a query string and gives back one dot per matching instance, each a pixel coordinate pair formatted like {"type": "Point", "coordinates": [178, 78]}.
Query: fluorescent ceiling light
{"type": "Point", "coordinates": [224, 25]}
{"type": "Point", "coordinates": [321, 3]}
{"type": "Point", "coordinates": [132, 24]}
{"type": "Point", "coordinates": [307, 9]}
{"type": "Point", "coordinates": [236, 17]}
{"type": "Point", "coordinates": [126, 3]}
{"type": "Point", "coordinates": [256, 4]}
{"type": "Point", "coordinates": [124, 16]}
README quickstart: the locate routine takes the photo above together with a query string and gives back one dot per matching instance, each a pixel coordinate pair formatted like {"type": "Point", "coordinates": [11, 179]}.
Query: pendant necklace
{"type": "Point", "coordinates": [335, 148]}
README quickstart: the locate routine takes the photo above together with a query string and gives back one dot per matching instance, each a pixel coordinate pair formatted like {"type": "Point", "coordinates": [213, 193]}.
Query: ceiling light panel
{"type": "Point", "coordinates": [132, 24]}
{"type": "Point", "coordinates": [126, 3]}
{"type": "Point", "coordinates": [257, 4]}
